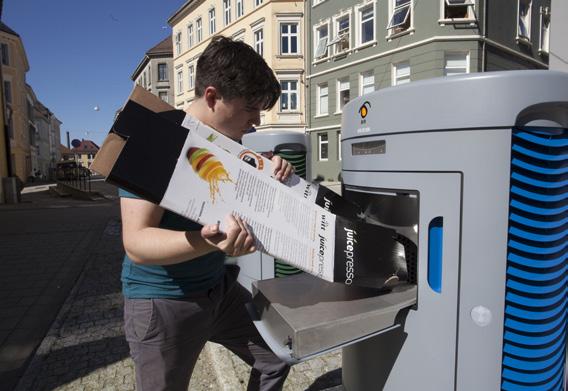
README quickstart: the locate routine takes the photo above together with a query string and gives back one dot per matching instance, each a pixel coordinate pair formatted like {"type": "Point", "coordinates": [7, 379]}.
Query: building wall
{"type": "Point", "coordinates": [148, 78]}
{"type": "Point", "coordinates": [14, 73]}
{"type": "Point", "coordinates": [266, 16]}
{"type": "Point", "coordinates": [559, 32]}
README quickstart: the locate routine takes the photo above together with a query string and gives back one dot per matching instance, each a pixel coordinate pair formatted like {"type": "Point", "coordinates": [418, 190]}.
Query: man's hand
{"type": "Point", "coordinates": [237, 240]}
{"type": "Point", "coordinates": [281, 169]}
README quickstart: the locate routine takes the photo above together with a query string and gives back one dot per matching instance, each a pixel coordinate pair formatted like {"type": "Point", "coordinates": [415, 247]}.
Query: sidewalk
{"type": "Point", "coordinates": [85, 348]}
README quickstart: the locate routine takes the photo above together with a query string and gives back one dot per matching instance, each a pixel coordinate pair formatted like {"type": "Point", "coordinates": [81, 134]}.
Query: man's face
{"type": "Point", "coordinates": [235, 117]}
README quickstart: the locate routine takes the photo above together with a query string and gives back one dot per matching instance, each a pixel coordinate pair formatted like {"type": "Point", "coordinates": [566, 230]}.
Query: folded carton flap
{"type": "Point", "coordinates": [107, 155]}
{"type": "Point", "coordinates": [148, 158]}
{"type": "Point", "coordinates": [153, 103]}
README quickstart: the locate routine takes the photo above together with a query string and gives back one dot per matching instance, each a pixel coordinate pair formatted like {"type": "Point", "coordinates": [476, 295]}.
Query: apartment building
{"type": "Point", "coordinates": [14, 67]}
{"type": "Point", "coordinates": [155, 71]}
{"type": "Point", "coordinates": [275, 29]}
{"type": "Point", "coordinates": [85, 152]}
{"type": "Point", "coordinates": [358, 46]}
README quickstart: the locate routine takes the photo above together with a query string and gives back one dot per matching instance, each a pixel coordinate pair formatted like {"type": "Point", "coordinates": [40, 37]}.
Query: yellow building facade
{"type": "Point", "coordinates": [18, 107]}
{"type": "Point", "coordinates": [275, 29]}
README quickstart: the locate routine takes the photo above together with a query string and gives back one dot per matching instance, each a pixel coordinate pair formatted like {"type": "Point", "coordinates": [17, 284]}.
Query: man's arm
{"type": "Point", "coordinates": [146, 243]}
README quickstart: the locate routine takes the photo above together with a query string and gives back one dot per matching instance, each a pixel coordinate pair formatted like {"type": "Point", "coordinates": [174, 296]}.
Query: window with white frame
{"type": "Point", "coordinates": [240, 8]}
{"type": "Point", "coordinates": [199, 30]}
{"type": "Point", "coordinates": [323, 145]}
{"type": "Point", "coordinates": [258, 36]}
{"type": "Point", "coordinates": [455, 64]}
{"type": "Point", "coordinates": [338, 145]}
{"type": "Point", "coordinates": [257, 3]}
{"type": "Point", "coordinates": [289, 38]}
{"type": "Point", "coordinates": [321, 39]}
{"type": "Point", "coordinates": [227, 11]}
{"type": "Point", "coordinates": [401, 15]}
{"type": "Point", "coordinates": [180, 82]}
{"type": "Point", "coordinates": [343, 93]}
{"type": "Point", "coordinates": [367, 82]}
{"type": "Point", "coordinates": [163, 95]}
{"type": "Point", "coordinates": [190, 77]}
{"type": "Point", "coordinates": [401, 73]}
{"type": "Point", "coordinates": [524, 22]}
{"type": "Point", "coordinates": [544, 46]}
{"type": "Point", "coordinates": [289, 96]}
{"type": "Point", "coordinates": [212, 21]}
{"type": "Point", "coordinates": [366, 29]}
{"type": "Point", "coordinates": [323, 99]}
{"type": "Point", "coordinates": [459, 9]}
{"type": "Point", "coordinates": [190, 36]}
{"type": "Point", "coordinates": [342, 40]}
{"type": "Point", "coordinates": [178, 42]}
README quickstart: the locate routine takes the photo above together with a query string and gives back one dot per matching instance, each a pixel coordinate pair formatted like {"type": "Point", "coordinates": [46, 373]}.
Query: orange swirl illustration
{"type": "Point", "coordinates": [208, 168]}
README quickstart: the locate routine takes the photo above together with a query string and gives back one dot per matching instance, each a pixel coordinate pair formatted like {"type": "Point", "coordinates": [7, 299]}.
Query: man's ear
{"type": "Point", "coordinates": [211, 96]}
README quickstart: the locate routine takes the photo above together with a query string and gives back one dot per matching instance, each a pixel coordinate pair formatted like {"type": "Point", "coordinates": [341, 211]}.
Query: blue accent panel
{"type": "Point", "coordinates": [532, 365]}
{"type": "Point", "coordinates": [537, 183]}
{"type": "Point", "coordinates": [538, 211]}
{"type": "Point", "coordinates": [536, 309]}
{"type": "Point", "coordinates": [537, 196]}
{"type": "Point", "coordinates": [542, 302]}
{"type": "Point", "coordinates": [534, 341]}
{"type": "Point", "coordinates": [537, 289]}
{"type": "Point", "coordinates": [546, 142]}
{"type": "Point", "coordinates": [435, 248]}
{"type": "Point", "coordinates": [538, 169]}
{"type": "Point", "coordinates": [537, 263]}
{"type": "Point", "coordinates": [537, 237]}
{"type": "Point", "coordinates": [540, 156]}
{"type": "Point", "coordinates": [537, 250]}
{"type": "Point", "coordinates": [538, 224]}
{"type": "Point", "coordinates": [534, 327]}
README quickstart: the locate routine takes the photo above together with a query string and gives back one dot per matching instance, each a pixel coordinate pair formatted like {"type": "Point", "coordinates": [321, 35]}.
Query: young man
{"type": "Point", "coordinates": [178, 292]}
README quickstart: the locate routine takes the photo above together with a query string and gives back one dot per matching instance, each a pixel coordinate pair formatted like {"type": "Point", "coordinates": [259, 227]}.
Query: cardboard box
{"type": "Point", "coordinates": [173, 160]}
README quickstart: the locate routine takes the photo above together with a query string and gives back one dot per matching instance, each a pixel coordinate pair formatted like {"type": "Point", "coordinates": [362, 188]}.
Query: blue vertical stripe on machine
{"type": "Point", "coordinates": [536, 301]}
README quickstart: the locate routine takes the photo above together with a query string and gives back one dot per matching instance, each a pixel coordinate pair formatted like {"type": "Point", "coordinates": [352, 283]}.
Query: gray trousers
{"type": "Point", "coordinates": [167, 335]}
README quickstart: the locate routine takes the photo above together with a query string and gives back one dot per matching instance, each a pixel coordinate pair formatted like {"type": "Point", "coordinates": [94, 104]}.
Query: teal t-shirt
{"type": "Point", "coordinates": [171, 281]}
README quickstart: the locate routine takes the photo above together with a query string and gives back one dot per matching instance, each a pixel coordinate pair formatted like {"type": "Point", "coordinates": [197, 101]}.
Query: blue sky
{"type": "Point", "coordinates": [82, 54]}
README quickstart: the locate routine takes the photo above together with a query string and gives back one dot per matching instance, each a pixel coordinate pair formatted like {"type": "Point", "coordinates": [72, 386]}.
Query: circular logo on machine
{"type": "Point", "coordinates": [252, 158]}
{"type": "Point", "coordinates": [364, 109]}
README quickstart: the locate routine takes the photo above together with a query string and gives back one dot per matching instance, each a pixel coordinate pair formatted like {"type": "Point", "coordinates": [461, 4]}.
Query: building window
{"type": "Point", "coordinates": [342, 40]}
{"type": "Point", "coordinates": [259, 41]}
{"type": "Point", "coordinates": [401, 73]}
{"type": "Point", "coordinates": [367, 82]}
{"type": "Point", "coordinates": [321, 38]}
{"type": "Point", "coordinates": [366, 16]}
{"type": "Point", "coordinates": [524, 25]}
{"type": "Point", "coordinates": [339, 146]}
{"type": "Point", "coordinates": [456, 64]}
{"type": "Point", "coordinates": [149, 75]}
{"type": "Point", "coordinates": [5, 54]}
{"type": "Point", "coordinates": [190, 36]}
{"type": "Point", "coordinates": [212, 21]}
{"type": "Point", "coordinates": [323, 99]}
{"type": "Point", "coordinates": [323, 144]}
{"type": "Point", "coordinates": [8, 91]}
{"type": "Point", "coordinates": [163, 96]}
{"type": "Point", "coordinates": [544, 30]}
{"type": "Point", "coordinates": [162, 72]}
{"type": "Point", "coordinates": [289, 97]}
{"type": "Point", "coordinates": [400, 16]}
{"type": "Point", "coordinates": [144, 83]}
{"type": "Point", "coordinates": [289, 38]}
{"type": "Point", "coordinates": [199, 30]}
{"type": "Point", "coordinates": [257, 3]}
{"type": "Point", "coordinates": [190, 77]}
{"type": "Point", "coordinates": [180, 82]}
{"type": "Point", "coordinates": [343, 93]}
{"type": "Point", "coordinates": [10, 126]}
{"type": "Point", "coordinates": [227, 11]}
{"type": "Point", "coordinates": [240, 8]}
{"type": "Point", "coordinates": [458, 9]}
{"type": "Point", "coordinates": [178, 42]}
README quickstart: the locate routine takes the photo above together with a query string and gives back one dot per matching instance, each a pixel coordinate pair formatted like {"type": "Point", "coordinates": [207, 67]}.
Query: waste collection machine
{"type": "Point", "coordinates": [473, 170]}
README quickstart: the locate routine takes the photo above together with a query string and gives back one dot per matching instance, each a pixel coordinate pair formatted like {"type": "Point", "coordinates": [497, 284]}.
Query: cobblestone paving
{"type": "Point", "coordinates": [86, 350]}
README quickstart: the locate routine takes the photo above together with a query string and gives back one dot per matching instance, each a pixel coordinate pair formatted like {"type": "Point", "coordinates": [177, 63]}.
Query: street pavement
{"type": "Point", "coordinates": [61, 306]}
